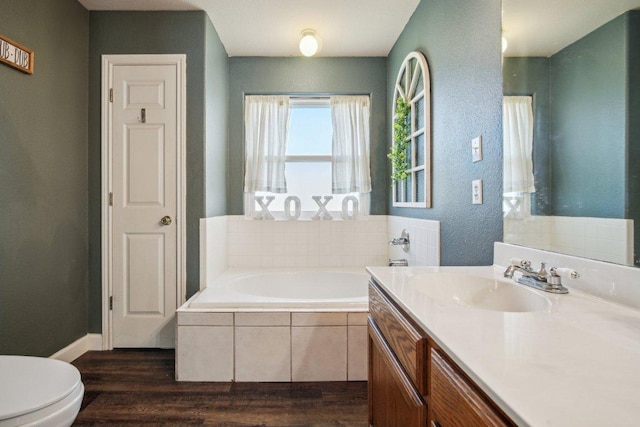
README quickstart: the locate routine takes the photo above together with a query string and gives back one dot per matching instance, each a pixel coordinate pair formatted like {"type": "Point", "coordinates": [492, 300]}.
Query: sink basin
{"type": "Point", "coordinates": [481, 292]}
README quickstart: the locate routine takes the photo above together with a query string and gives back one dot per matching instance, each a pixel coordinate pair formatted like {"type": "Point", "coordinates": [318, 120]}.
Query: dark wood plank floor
{"type": "Point", "coordinates": [137, 387]}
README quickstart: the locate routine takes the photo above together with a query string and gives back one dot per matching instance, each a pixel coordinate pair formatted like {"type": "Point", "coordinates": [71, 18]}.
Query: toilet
{"type": "Point", "coordinates": [36, 391]}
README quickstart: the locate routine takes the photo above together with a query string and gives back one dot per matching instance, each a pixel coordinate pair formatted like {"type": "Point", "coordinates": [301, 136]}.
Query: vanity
{"type": "Point", "coordinates": [464, 346]}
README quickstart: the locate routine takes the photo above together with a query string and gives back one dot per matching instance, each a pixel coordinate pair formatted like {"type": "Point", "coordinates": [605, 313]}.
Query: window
{"type": "Point", "coordinates": [308, 162]}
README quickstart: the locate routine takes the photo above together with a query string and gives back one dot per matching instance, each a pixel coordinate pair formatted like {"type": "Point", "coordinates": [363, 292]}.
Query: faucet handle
{"type": "Point", "coordinates": [567, 273]}
{"type": "Point", "coordinates": [521, 263]}
{"type": "Point", "coordinates": [543, 269]}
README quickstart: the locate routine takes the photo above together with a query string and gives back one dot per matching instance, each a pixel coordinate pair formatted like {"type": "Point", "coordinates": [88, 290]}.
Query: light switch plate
{"type": "Point", "coordinates": [476, 192]}
{"type": "Point", "coordinates": [476, 149]}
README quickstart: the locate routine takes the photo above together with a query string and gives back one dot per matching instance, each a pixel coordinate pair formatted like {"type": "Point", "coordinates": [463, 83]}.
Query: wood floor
{"type": "Point", "coordinates": [137, 388]}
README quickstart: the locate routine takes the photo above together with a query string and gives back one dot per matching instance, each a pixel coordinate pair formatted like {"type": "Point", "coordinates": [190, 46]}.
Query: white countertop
{"type": "Point", "coordinates": [575, 364]}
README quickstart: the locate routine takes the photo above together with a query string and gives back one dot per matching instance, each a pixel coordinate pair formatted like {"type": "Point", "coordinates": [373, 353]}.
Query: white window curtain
{"type": "Point", "coordinates": [266, 124]}
{"type": "Point", "coordinates": [518, 144]}
{"type": "Point", "coordinates": [350, 159]}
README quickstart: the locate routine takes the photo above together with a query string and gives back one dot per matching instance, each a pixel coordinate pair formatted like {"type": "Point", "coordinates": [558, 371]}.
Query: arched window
{"type": "Point", "coordinates": [413, 86]}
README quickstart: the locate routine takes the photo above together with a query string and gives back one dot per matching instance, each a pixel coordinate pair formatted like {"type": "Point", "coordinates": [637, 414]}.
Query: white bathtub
{"type": "Point", "coordinates": [286, 290]}
{"type": "Point", "coordinates": [276, 325]}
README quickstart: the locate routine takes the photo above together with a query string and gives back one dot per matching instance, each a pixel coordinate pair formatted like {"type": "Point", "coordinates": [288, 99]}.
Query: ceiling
{"type": "Point", "coordinates": [273, 27]}
{"type": "Point", "coordinates": [371, 27]}
{"type": "Point", "coordinates": [543, 27]}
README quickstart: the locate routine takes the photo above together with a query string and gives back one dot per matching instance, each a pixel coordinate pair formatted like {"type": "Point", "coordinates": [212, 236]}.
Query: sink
{"type": "Point", "coordinates": [480, 292]}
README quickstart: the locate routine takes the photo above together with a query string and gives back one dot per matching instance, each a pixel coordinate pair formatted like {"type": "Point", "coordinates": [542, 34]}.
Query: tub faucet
{"type": "Point", "coordinates": [548, 281]}
{"type": "Point", "coordinates": [403, 241]}
{"type": "Point", "coordinates": [398, 262]}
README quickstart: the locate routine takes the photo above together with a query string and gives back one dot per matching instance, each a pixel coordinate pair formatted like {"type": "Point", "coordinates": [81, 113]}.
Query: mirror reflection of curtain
{"type": "Point", "coordinates": [518, 157]}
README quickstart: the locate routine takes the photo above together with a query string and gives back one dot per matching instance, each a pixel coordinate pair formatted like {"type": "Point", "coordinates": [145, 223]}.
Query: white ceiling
{"type": "Point", "coordinates": [371, 27]}
{"type": "Point", "coordinates": [543, 27]}
{"type": "Point", "coordinates": [273, 27]}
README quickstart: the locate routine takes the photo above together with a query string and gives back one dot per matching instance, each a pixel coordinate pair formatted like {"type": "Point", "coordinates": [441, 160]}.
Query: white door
{"type": "Point", "coordinates": [145, 164]}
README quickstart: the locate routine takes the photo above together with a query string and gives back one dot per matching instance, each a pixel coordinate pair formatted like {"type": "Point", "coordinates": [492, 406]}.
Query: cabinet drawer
{"type": "Point", "coordinates": [455, 402]}
{"type": "Point", "coordinates": [397, 403]}
{"type": "Point", "coordinates": [406, 342]}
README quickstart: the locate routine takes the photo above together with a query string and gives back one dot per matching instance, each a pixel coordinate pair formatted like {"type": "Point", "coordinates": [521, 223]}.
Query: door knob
{"type": "Point", "coordinates": [166, 220]}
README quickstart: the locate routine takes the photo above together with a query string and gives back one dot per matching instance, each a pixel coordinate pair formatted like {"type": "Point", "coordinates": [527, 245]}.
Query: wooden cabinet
{"type": "Point", "coordinates": [455, 401]}
{"type": "Point", "coordinates": [412, 382]}
{"type": "Point", "coordinates": [397, 403]}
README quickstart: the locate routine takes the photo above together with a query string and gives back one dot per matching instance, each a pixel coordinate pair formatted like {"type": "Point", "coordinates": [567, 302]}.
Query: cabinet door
{"type": "Point", "coordinates": [393, 400]}
{"type": "Point", "coordinates": [455, 402]}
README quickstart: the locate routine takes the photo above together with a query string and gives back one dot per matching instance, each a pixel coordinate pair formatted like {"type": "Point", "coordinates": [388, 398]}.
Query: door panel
{"type": "Point", "coordinates": [144, 260]}
{"type": "Point", "coordinates": [144, 182]}
{"type": "Point", "coordinates": [145, 165]}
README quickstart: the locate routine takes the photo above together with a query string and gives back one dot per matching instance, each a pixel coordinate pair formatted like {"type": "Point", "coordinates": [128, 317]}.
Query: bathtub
{"type": "Point", "coordinates": [276, 325]}
{"type": "Point", "coordinates": [293, 290]}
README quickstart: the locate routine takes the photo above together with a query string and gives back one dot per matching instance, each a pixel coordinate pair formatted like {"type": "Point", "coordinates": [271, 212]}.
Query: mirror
{"type": "Point", "coordinates": [571, 78]}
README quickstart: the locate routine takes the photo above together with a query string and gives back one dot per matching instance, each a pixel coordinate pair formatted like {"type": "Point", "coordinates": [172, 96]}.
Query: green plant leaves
{"type": "Point", "coordinates": [401, 132]}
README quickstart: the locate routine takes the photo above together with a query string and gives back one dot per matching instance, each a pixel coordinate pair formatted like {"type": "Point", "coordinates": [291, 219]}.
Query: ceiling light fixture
{"type": "Point", "coordinates": [309, 44]}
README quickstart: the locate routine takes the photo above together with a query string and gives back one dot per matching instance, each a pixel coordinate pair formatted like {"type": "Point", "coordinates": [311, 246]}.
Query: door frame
{"type": "Point", "coordinates": [108, 63]}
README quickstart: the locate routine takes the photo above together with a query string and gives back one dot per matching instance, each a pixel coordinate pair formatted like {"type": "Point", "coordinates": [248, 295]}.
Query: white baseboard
{"type": "Point", "coordinates": [79, 347]}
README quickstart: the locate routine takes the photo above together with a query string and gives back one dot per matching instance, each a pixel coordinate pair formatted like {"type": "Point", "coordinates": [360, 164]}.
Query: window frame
{"type": "Point", "coordinates": [308, 101]}
{"type": "Point", "coordinates": [413, 68]}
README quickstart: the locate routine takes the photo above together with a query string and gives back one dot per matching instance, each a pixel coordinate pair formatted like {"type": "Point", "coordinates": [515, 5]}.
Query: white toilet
{"type": "Point", "coordinates": [35, 391]}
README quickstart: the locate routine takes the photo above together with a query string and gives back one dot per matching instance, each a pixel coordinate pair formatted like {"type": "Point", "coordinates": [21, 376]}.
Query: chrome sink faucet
{"type": "Point", "coordinates": [548, 281]}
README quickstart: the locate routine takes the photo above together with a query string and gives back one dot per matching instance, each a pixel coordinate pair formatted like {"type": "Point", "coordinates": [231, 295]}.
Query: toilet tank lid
{"type": "Point", "coordinates": [28, 384]}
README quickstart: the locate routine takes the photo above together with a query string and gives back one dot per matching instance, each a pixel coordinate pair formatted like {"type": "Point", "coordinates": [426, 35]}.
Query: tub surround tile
{"type": "Point", "coordinates": [358, 359]}
{"type": "Point", "coordinates": [263, 319]}
{"type": "Point", "coordinates": [214, 248]}
{"type": "Point", "coordinates": [198, 355]}
{"type": "Point", "coordinates": [318, 319]}
{"type": "Point", "coordinates": [319, 353]}
{"type": "Point", "coordinates": [357, 319]}
{"type": "Point", "coordinates": [204, 319]}
{"type": "Point", "coordinates": [424, 236]}
{"type": "Point", "coordinates": [262, 354]}
{"type": "Point", "coordinates": [307, 243]}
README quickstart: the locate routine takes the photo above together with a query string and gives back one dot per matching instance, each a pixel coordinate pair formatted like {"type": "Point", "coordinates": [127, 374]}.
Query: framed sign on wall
{"type": "Point", "coordinates": [16, 55]}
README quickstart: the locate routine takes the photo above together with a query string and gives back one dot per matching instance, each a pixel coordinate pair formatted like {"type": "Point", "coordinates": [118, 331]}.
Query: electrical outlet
{"type": "Point", "coordinates": [476, 192]}
{"type": "Point", "coordinates": [476, 149]}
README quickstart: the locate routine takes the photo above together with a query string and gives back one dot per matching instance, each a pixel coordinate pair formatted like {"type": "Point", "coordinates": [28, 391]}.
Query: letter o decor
{"type": "Point", "coordinates": [296, 208]}
{"type": "Point", "coordinates": [354, 207]}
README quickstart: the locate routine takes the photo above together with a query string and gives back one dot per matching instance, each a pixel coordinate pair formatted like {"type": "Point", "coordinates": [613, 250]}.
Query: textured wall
{"type": "Point", "coordinates": [307, 76]}
{"type": "Point", "coordinates": [43, 171]}
{"type": "Point", "coordinates": [530, 77]}
{"type": "Point", "coordinates": [216, 122]}
{"type": "Point", "coordinates": [461, 41]}
{"type": "Point", "coordinates": [587, 83]}
{"type": "Point", "coordinates": [152, 33]}
{"type": "Point", "coordinates": [633, 130]}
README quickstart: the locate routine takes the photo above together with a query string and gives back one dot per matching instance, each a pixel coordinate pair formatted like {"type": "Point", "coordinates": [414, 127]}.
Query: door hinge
{"type": "Point", "coordinates": [111, 303]}
{"type": "Point", "coordinates": [110, 199]}
{"type": "Point", "coordinates": [110, 95]}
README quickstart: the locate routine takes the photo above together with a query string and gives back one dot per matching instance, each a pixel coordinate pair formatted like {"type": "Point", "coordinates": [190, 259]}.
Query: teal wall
{"type": "Point", "coordinates": [43, 171]}
{"type": "Point", "coordinates": [588, 82]}
{"type": "Point", "coordinates": [529, 76]}
{"type": "Point", "coordinates": [308, 76]}
{"type": "Point", "coordinates": [461, 41]}
{"type": "Point", "coordinates": [216, 123]}
{"type": "Point", "coordinates": [189, 33]}
{"type": "Point", "coordinates": [633, 128]}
